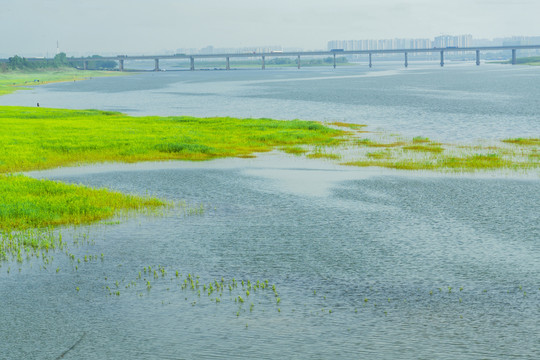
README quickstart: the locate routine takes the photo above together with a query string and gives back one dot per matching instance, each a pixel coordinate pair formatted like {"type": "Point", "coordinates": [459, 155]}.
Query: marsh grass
{"type": "Point", "coordinates": [421, 153]}
{"type": "Point", "coordinates": [40, 138]}
{"type": "Point", "coordinates": [347, 125]}
{"type": "Point", "coordinates": [523, 141]}
{"type": "Point", "coordinates": [31, 210]}
{"type": "Point", "coordinates": [294, 150]}
{"type": "Point", "coordinates": [424, 148]}
{"type": "Point", "coordinates": [380, 155]}
{"type": "Point", "coordinates": [194, 289]}
{"type": "Point", "coordinates": [30, 203]}
{"type": "Point", "coordinates": [323, 153]}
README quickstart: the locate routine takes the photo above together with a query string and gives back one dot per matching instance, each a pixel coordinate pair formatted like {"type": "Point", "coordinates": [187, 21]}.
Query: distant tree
{"type": "Point", "coordinates": [280, 61]}
{"type": "Point", "coordinates": [16, 63]}
{"type": "Point", "coordinates": [60, 60]}
{"type": "Point", "coordinates": [98, 64]}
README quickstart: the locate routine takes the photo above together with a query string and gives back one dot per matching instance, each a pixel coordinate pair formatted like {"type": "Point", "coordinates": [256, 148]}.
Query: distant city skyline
{"type": "Point", "coordinates": [32, 27]}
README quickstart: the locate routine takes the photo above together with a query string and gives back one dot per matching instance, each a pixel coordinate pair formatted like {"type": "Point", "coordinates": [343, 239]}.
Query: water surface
{"type": "Point", "coordinates": [368, 263]}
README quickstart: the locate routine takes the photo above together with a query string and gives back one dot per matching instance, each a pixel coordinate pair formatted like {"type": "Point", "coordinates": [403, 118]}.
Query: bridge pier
{"type": "Point", "coordinates": [442, 58]}
{"type": "Point", "coordinates": [334, 60]}
{"type": "Point", "coordinates": [191, 63]}
{"type": "Point", "coordinates": [370, 63]}
{"type": "Point", "coordinates": [406, 60]}
{"type": "Point", "coordinates": [121, 65]}
{"type": "Point", "coordinates": [263, 64]}
{"type": "Point", "coordinates": [85, 65]}
{"type": "Point", "coordinates": [156, 62]}
{"type": "Point", "coordinates": [298, 61]}
{"type": "Point", "coordinates": [477, 57]}
{"type": "Point", "coordinates": [228, 67]}
{"type": "Point", "coordinates": [514, 57]}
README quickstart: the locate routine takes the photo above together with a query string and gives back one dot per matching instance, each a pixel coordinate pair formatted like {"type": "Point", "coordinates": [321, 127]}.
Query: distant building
{"type": "Point", "coordinates": [445, 41]}
{"type": "Point", "coordinates": [384, 44]}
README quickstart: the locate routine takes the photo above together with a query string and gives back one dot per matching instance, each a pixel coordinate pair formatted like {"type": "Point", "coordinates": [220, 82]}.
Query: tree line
{"type": "Point", "coordinates": [317, 61]}
{"type": "Point", "coordinates": [59, 61]}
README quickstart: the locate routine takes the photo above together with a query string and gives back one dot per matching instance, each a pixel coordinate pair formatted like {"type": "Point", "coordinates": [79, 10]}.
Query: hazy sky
{"type": "Point", "coordinates": [32, 27]}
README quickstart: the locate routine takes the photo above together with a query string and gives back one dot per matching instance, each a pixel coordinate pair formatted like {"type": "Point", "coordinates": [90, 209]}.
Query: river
{"type": "Point", "coordinates": [367, 263]}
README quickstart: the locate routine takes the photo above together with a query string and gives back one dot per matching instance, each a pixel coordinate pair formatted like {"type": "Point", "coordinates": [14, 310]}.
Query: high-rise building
{"type": "Point", "coordinates": [383, 44]}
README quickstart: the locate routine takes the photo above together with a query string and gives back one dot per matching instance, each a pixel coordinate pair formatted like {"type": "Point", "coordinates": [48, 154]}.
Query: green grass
{"type": "Point", "coordinates": [12, 81]}
{"type": "Point", "coordinates": [424, 148]}
{"type": "Point", "coordinates": [348, 125]}
{"type": "Point", "coordinates": [40, 138]}
{"type": "Point", "coordinates": [31, 203]}
{"type": "Point", "coordinates": [421, 153]}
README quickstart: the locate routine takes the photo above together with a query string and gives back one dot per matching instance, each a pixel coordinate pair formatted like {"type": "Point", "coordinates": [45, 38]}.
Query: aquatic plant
{"type": "Point", "coordinates": [523, 141]}
{"type": "Point", "coordinates": [31, 203]}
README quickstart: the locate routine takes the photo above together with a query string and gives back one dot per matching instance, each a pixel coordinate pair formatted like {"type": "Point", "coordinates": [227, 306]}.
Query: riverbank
{"type": "Point", "coordinates": [531, 60]}
{"type": "Point", "coordinates": [12, 81]}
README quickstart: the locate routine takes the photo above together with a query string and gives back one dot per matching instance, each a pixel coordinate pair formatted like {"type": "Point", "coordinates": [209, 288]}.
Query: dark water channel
{"type": "Point", "coordinates": [366, 263]}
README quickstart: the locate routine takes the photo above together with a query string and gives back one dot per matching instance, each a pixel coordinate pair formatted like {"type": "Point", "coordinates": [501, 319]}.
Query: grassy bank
{"type": "Point", "coordinates": [12, 81]}
{"type": "Point", "coordinates": [40, 138]}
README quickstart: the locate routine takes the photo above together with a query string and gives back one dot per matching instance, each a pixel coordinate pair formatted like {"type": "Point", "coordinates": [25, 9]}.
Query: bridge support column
{"type": "Point", "coordinates": [406, 60]}
{"type": "Point", "coordinates": [298, 61]}
{"type": "Point", "coordinates": [156, 62]}
{"type": "Point", "coordinates": [477, 57]}
{"type": "Point", "coordinates": [228, 64]}
{"type": "Point", "coordinates": [263, 64]}
{"type": "Point", "coordinates": [334, 60]}
{"type": "Point", "coordinates": [121, 65]}
{"type": "Point", "coordinates": [370, 63]}
{"type": "Point", "coordinates": [85, 65]}
{"type": "Point", "coordinates": [514, 57]}
{"type": "Point", "coordinates": [442, 58]}
{"type": "Point", "coordinates": [191, 63]}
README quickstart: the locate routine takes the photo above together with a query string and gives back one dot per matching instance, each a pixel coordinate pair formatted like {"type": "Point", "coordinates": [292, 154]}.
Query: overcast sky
{"type": "Point", "coordinates": [32, 27]}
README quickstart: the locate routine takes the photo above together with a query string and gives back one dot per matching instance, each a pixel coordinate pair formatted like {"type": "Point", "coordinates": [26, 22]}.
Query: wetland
{"type": "Point", "coordinates": [279, 240]}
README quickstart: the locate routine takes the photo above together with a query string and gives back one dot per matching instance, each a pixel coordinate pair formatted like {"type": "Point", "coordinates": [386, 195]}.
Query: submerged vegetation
{"type": "Point", "coordinates": [421, 153]}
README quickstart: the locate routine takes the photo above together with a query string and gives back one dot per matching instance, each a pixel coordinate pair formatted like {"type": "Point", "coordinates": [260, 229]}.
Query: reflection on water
{"type": "Point", "coordinates": [367, 263]}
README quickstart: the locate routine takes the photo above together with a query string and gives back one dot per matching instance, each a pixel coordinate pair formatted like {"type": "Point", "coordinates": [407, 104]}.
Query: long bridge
{"type": "Point", "coordinates": [298, 54]}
